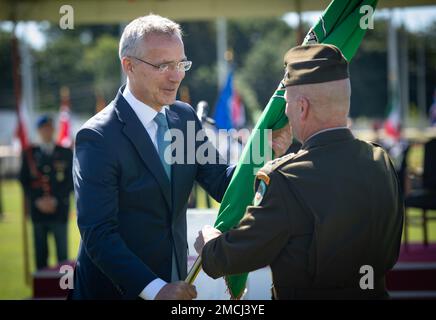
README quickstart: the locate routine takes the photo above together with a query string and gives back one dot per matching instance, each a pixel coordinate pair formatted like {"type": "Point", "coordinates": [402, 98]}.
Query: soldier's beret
{"type": "Point", "coordinates": [314, 63]}
{"type": "Point", "coordinates": [43, 120]}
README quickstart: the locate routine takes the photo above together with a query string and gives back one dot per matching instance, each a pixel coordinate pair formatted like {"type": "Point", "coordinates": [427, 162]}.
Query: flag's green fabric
{"type": "Point", "coordinates": [338, 25]}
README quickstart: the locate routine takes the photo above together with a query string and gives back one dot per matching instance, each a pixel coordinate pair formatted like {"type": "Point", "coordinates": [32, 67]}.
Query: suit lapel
{"type": "Point", "coordinates": [136, 133]}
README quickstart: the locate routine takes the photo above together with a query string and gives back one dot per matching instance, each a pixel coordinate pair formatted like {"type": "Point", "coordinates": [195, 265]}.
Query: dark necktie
{"type": "Point", "coordinates": [162, 144]}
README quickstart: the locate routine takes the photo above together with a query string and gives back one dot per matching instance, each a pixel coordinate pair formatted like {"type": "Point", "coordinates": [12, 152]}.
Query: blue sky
{"type": "Point", "coordinates": [414, 18]}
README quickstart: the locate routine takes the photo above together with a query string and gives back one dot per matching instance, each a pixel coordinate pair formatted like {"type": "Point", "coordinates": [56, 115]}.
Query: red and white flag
{"type": "Point", "coordinates": [237, 109]}
{"type": "Point", "coordinates": [64, 134]}
{"type": "Point", "coordinates": [21, 130]}
{"type": "Point", "coordinates": [392, 124]}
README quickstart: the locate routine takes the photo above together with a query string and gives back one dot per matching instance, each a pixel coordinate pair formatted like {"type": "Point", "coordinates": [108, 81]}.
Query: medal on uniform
{"type": "Point", "coordinates": [60, 168]}
{"type": "Point", "coordinates": [60, 176]}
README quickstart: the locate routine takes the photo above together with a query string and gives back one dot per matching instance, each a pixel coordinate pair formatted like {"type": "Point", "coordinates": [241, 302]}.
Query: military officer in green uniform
{"type": "Point", "coordinates": [327, 219]}
{"type": "Point", "coordinates": [46, 177]}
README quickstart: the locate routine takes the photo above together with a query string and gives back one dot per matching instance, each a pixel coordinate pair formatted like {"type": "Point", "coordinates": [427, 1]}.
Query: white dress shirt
{"type": "Point", "coordinates": [146, 115]}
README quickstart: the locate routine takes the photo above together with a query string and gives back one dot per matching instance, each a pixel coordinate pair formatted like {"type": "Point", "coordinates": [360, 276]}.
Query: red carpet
{"type": "Point", "coordinates": [46, 283]}
{"type": "Point", "coordinates": [414, 275]}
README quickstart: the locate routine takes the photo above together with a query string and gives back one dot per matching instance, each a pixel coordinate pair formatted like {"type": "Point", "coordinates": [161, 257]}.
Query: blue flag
{"type": "Point", "coordinates": [222, 117]}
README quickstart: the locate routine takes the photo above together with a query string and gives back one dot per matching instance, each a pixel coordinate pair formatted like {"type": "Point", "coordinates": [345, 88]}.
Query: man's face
{"type": "Point", "coordinates": [149, 84]}
{"type": "Point", "coordinates": [46, 132]}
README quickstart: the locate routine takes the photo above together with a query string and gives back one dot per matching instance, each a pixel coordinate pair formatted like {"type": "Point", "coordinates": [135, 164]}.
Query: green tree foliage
{"type": "Point", "coordinates": [368, 73]}
{"type": "Point", "coordinates": [6, 81]}
{"type": "Point", "coordinates": [262, 66]}
{"type": "Point", "coordinates": [200, 48]}
{"type": "Point", "coordinates": [60, 65]}
{"type": "Point", "coordinates": [101, 59]}
{"type": "Point", "coordinates": [369, 82]}
{"type": "Point", "coordinates": [257, 46]}
{"type": "Point", "coordinates": [86, 60]}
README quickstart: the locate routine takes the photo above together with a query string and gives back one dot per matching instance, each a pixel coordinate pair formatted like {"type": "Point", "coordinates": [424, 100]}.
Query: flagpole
{"type": "Point", "coordinates": [26, 261]}
{"type": "Point", "coordinates": [195, 270]}
{"type": "Point", "coordinates": [17, 90]}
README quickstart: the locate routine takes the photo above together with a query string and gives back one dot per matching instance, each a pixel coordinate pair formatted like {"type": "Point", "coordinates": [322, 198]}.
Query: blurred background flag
{"type": "Point", "coordinates": [341, 25]}
{"type": "Point", "coordinates": [238, 110]}
{"type": "Point", "coordinates": [21, 111]}
{"type": "Point", "coordinates": [64, 134]}
{"type": "Point", "coordinates": [229, 110]}
{"type": "Point", "coordinates": [392, 124]}
{"type": "Point", "coordinates": [222, 114]}
{"type": "Point", "coordinates": [21, 131]}
{"type": "Point", "coordinates": [25, 145]}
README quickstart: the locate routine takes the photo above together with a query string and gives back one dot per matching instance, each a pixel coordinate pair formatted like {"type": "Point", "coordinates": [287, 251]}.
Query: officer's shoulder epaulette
{"type": "Point", "coordinates": [375, 144]}
{"type": "Point", "coordinates": [263, 175]}
{"type": "Point", "coordinates": [265, 172]}
{"type": "Point", "coordinates": [282, 160]}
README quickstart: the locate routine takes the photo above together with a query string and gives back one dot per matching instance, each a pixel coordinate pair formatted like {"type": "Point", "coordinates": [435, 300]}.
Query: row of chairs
{"type": "Point", "coordinates": [424, 197]}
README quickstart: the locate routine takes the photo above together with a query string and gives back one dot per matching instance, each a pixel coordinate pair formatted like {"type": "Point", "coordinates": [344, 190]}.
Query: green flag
{"type": "Point", "coordinates": [340, 25]}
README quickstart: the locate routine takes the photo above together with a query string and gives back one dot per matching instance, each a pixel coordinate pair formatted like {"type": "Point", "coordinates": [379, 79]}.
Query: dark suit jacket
{"type": "Point", "coordinates": [328, 210]}
{"type": "Point", "coordinates": [56, 169]}
{"type": "Point", "coordinates": [129, 215]}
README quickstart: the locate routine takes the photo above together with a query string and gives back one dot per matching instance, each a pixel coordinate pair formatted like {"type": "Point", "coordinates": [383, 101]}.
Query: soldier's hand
{"type": "Point", "coordinates": [46, 204]}
{"type": "Point", "coordinates": [204, 236]}
{"type": "Point", "coordinates": [179, 290]}
{"type": "Point", "coordinates": [281, 140]}
{"type": "Point", "coordinates": [51, 204]}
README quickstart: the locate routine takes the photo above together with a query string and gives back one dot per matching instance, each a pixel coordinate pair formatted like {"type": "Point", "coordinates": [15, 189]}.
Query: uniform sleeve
{"type": "Point", "coordinates": [256, 242]}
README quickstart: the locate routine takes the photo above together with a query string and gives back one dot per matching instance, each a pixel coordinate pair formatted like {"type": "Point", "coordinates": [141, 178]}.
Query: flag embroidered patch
{"type": "Point", "coordinates": [260, 193]}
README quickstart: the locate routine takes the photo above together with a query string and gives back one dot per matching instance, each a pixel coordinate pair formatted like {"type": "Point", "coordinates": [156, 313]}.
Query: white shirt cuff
{"type": "Point", "coordinates": [152, 289]}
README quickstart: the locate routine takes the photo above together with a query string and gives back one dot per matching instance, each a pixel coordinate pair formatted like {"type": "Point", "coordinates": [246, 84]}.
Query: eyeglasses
{"type": "Point", "coordinates": [164, 67]}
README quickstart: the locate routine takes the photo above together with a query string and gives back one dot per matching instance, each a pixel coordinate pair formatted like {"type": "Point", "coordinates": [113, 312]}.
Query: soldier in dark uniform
{"type": "Point", "coordinates": [328, 219]}
{"type": "Point", "coordinates": [46, 177]}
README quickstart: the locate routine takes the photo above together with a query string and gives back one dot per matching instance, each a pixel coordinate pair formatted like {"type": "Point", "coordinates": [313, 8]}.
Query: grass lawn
{"type": "Point", "coordinates": [12, 280]}
{"type": "Point", "coordinates": [12, 283]}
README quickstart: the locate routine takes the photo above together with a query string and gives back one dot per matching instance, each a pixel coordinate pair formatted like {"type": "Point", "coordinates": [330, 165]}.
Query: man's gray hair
{"type": "Point", "coordinates": [139, 28]}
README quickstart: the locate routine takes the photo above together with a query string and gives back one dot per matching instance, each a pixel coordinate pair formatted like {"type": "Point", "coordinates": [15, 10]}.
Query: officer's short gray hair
{"type": "Point", "coordinates": [139, 28]}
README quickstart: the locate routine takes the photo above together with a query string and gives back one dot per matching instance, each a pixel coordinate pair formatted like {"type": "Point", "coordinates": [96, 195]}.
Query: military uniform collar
{"type": "Point", "coordinates": [328, 136]}
{"type": "Point", "coordinates": [47, 148]}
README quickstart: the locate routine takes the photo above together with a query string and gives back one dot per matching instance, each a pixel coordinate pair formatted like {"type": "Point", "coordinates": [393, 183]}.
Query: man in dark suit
{"type": "Point", "coordinates": [131, 192]}
{"type": "Point", "coordinates": [47, 182]}
{"type": "Point", "coordinates": [328, 219]}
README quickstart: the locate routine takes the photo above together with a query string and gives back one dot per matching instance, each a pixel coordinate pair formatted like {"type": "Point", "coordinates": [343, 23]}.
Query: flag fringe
{"type": "Point", "coordinates": [232, 297]}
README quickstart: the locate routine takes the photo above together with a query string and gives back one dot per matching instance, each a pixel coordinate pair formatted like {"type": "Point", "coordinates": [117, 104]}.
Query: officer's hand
{"type": "Point", "coordinates": [46, 204]}
{"type": "Point", "coordinates": [281, 140]}
{"type": "Point", "coordinates": [52, 204]}
{"type": "Point", "coordinates": [177, 291]}
{"type": "Point", "coordinates": [204, 236]}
